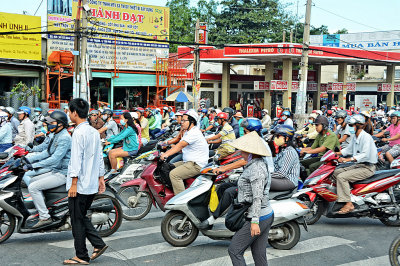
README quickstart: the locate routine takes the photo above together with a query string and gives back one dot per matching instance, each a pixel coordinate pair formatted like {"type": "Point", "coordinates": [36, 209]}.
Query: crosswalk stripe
{"type": "Point", "coordinates": [383, 260]}
{"type": "Point", "coordinates": [115, 236]}
{"type": "Point", "coordinates": [308, 245]}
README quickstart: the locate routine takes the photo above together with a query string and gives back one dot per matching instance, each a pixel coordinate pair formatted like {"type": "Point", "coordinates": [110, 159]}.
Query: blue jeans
{"type": "Point", "coordinates": [153, 132]}
{"type": "Point", "coordinates": [4, 147]}
{"type": "Point", "coordinates": [31, 173]}
{"type": "Point", "coordinates": [176, 158]}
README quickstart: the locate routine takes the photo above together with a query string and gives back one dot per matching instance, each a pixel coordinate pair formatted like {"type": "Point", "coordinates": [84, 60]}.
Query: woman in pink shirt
{"type": "Point", "coordinates": [392, 150]}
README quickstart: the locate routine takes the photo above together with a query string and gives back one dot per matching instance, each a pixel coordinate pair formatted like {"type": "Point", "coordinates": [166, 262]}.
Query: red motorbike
{"type": "Point", "coordinates": [376, 197]}
{"type": "Point", "coordinates": [152, 188]}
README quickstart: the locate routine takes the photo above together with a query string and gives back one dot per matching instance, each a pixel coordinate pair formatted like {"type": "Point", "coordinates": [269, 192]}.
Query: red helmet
{"type": "Point", "coordinates": [329, 112]}
{"type": "Point", "coordinates": [140, 109]}
{"type": "Point", "coordinates": [223, 116]}
{"type": "Point", "coordinates": [349, 112]}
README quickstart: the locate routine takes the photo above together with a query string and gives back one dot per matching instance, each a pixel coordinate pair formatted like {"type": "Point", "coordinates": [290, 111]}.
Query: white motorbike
{"type": "Point", "coordinates": [188, 209]}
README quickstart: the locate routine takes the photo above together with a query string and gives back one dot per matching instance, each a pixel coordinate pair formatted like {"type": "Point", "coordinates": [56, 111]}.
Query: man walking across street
{"type": "Point", "coordinates": [85, 179]}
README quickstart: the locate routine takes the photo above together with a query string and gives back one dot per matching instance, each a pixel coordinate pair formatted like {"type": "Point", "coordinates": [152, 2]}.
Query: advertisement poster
{"type": "Point", "coordinates": [279, 85]}
{"type": "Point", "coordinates": [365, 102]}
{"type": "Point", "coordinates": [107, 20]}
{"type": "Point", "coordinates": [250, 110]}
{"type": "Point", "coordinates": [20, 46]}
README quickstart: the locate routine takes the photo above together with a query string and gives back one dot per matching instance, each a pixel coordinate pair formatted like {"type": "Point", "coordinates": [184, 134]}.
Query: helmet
{"type": "Point", "coordinates": [396, 113]}
{"type": "Point", "coordinates": [366, 114]}
{"type": "Point", "coordinates": [179, 113]}
{"type": "Point", "coordinates": [223, 116]}
{"type": "Point", "coordinates": [373, 107]}
{"type": "Point", "coordinates": [264, 111]}
{"type": "Point", "coordinates": [107, 112]}
{"type": "Point", "coordinates": [38, 109]}
{"type": "Point", "coordinates": [134, 115]}
{"type": "Point", "coordinates": [218, 111]}
{"type": "Point", "coordinates": [193, 114]}
{"type": "Point", "coordinates": [165, 108]}
{"type": "Point", "coordinates": [284, 130]}
{"type": "Point", "coordinates": [140, 109]}
{"type": "Point", "coordinates": [24, 109]}
{"type": "Point", "coordinates": [60, 117]}
{"type": "Point", "coordinates": [94, 112]}
{"type": "Point", "coordinates": [341, 114]}
{"type": "Point", "coordinates": [252, 124]}
{"type": "Point", "coordinates": [329, 112]}
{"type": "Point", "coordinates": [157, 110]}
{"type": "Point", "coordinates": [322, 120]}
{"type": "Point", "coordinates": [238, 114]}
{"type": "Point", "coordinates": [287, 113]}
{"type": "Point", "coordinates": [319, 112]}
{"type": "Point", "coordinates": [393, 114]}
{"type": "Point", "coordinates": [9, 110]}
{"type": "Point", "coordinates": [313, 115]}
{"type": "Point", "coordinates": [205, 111]}
{"type": "Point", "coordinates": [357, 119]}
{"type": "Point", "coordinates": [229, 111]}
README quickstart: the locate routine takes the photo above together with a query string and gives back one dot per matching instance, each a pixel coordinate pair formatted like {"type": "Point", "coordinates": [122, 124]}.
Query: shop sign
{"type": "Point", "coordinates": [20, 46]}
{"type": "Point", "coordinates": [295, 86]}
{"type": "Point", "coordinates": [384, 87]}
{"type": "Point", "coordinates": [279, 85]}
{"type": "Point", "coordinates": [250, 110]}
{"type": "Point", "coordinates": [335, 86]}
{"type": "Point", "coordinates": [323, 88]}
{"type": "Point", "coordinates": [397, 87]}
{"type": "Point", "coordinates": [365, 102]}
{"type": "Point", "coordinates": [203, 34]}
{"type": "Point", "coordinates": [351, 86]}
{"type": "Point", "coordinates": [108, 17]}
{"type": "Point", "coordinates": [311, 86]}
{"type": "Point", "coordinates": [261, 85]}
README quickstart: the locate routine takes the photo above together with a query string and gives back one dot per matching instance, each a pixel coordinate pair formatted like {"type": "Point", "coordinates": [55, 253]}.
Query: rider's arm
{"type": "Point", "coordinates": [343, 139]}
{"type": "Point", "coordinates": [393, 138]}
{"type": "Point", "coordinates": [122, 135]}
{"type": "Point", "coordinates": [177, 148]}
{"type": "Point", "coordinates": [101, 130]}
{"type": "Point", "coordinates": [215, 137]}
{"type": "Point", "coordinates": [380, 134]}
{"type": "Point", "coordinates": [176, 139]}
{"type": "Point", "coordinates": [63, 146]}
{"type": "Point", "coordinates": [231, 166]}
{"type": "Point", "coordinates": [316, 150]}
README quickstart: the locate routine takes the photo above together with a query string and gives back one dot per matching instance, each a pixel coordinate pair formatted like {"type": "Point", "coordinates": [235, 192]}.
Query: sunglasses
{"type": "Point", "coordinates": [183, 120]}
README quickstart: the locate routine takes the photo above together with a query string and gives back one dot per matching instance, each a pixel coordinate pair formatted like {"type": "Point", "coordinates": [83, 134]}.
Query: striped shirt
{"type": "Point", "coordinates": [287, 165]}
{"type": "Point", "coordinates": [227, 136]}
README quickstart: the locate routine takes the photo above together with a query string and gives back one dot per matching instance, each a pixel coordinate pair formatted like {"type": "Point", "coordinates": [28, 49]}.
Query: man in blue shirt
{"type": "Point", "coordinates": [13, 120]}
{"type": "Point", "coordinates": [85, 178]}
{"type": "Point", "coordinates": [5, 132]}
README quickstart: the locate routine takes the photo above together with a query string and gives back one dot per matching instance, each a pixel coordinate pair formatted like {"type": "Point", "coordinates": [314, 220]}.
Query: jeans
{"type": "Point", "coordinates": [31, 173]}
{"type": "Point", "coordinates": [153, 132]}
{"type": "Point", "coordinates": [82, 227]}
{"type": "Point", "coordinates": [144, 141]}
{"type": "Point", "coordinates": [178, 157]}
{"type": "Point", "coordinates": [4, 147]}
{"type": "Point", "coordinates": [43, 182]}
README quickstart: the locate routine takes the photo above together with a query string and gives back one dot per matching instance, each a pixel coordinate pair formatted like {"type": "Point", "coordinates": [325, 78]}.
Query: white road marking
{"type": "Point", "coordinates": [383, 260]}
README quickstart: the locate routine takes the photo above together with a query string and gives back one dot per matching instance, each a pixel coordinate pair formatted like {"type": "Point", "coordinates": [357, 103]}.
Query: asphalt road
{"type": "Point", "coordinates": [345, 242]}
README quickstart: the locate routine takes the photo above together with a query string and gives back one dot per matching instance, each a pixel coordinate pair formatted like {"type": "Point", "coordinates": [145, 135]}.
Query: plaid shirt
{"type": "Point", "coordinates": [332, 122]}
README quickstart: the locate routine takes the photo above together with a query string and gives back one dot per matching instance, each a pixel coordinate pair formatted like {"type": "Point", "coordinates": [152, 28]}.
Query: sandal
{"type": "Point", "coordinates": [345, 210]}
{"type": "Point", "coordinates": [75, 261]}
{"type": "Point", "coordinates": [98, 252]}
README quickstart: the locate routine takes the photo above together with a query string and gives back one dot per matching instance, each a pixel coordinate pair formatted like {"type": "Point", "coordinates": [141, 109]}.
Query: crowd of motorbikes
{"type": "Point", "coordinates": [140, 184]}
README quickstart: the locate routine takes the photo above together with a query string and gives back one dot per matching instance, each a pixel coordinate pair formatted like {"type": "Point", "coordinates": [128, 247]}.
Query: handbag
{"type": "Point", "coordinates": [236, 216]}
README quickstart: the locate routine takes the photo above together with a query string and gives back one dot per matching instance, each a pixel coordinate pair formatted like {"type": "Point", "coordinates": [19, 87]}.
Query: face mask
{"type": "Point", "coordinates": [37, 113]}
{"type": "Point", "coordinates": [122, 122]}
{"type": "Point", "coordinates": [279, 141]}
{"type": "Point", "coordinates": [352, 130]}
{"type": "Point", "coordinates": [310, 121]}
{"type": "Point", "coordinates": [250, 157]}
{"type": "Point", "coordinates": [284, 118]}
{"type": "Point", "coordinates": [51, 127]}
{"type": "Point", "coordinates": [104, 117]}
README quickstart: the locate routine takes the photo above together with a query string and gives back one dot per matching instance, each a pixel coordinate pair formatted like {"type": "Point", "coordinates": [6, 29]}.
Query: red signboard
{"type": "Point", "coordinates": [261, 85]}
{"type": "Point", "coordinates": [312, 86]}
{"type": "Point", "coordinates": [335, 86]}
{"type": "Point", "coordinates": [279, 85]}
{"type": "Point", "coordinates": [384, 87]}
{"type": "Point", "coordinates": [397, 87]}
{"type": "Point", "coordinates": [323, 88]}
{"type": "Point", "coordinates": [351, 86]}
{"type": "Point", "coordinates": [203, 34]}
{"type": "Point", "coordinates": [295, 86]}
{"type": "Point", "coordinates": [250, 110]}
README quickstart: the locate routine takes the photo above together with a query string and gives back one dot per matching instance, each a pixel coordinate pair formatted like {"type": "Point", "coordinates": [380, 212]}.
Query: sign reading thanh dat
{"type": "Point", "coordinates": [20, 46]}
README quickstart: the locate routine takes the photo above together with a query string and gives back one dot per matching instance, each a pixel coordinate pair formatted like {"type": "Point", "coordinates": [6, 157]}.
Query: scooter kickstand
{"type": "Point", "coordinates": [183, 222]}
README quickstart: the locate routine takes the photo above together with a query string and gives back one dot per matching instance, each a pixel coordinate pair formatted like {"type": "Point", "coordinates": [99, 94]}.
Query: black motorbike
{"type": "Point", "coordinates": [16, 209]}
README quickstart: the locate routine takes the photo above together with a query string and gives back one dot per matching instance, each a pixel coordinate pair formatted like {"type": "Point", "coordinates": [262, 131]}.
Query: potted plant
{"type": "Point", "coordinates": [25, 93]}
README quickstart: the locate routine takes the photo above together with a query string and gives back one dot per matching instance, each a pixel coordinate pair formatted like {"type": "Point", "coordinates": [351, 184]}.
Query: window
{"type": "Point", "coordinates": [207, 85]}
{"type": "Point", "coordinates": [248, 86]}
{"type": "Point", "coordinates": [234, 86]}
{"type": "Point", "coordinates": [397, 74]}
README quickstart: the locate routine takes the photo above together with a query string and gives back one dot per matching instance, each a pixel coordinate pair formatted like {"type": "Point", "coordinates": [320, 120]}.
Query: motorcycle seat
{"type": "Point", "coordinates": [3, 155]}
{"type": "Point", "coordinates": [280, 195]}
{"type": "Point", "coordinates": [59, 189]}
{"type": "Point", "coordinates": [378, 176]}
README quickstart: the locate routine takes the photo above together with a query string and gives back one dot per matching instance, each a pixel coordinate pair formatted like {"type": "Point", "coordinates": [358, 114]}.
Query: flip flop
{"type": "Point", "coordinates": [345, 210]}
{"type": "Point", "coordinates": [98, 252]}
{"type": "Point", "coordinates": [75, 262]}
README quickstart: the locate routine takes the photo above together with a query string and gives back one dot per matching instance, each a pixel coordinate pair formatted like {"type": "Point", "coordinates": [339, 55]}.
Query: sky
{"type": "Point", "coordinates": [354, 15]}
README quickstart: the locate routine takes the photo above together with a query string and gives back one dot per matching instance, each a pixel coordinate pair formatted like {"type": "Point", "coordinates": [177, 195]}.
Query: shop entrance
{"type": "Point", "coordinates": [129, 97]}
{"type": "Point", "coordinates": [276, 100]}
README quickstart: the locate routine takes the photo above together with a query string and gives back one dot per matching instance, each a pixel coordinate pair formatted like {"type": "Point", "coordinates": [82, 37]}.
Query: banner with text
{"type": "Point", "coordinates": [109, 18]}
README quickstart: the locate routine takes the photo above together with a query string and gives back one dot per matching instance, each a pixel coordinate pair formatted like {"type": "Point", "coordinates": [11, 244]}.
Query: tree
{"type": "Point", "coordinates": [342, 31]}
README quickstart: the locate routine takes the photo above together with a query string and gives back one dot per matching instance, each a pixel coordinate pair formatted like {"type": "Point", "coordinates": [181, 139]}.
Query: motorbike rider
{"type": "Point", "coordinates": [155, 123]}
{"type": "Point", "coordinates": [204, 122]}
{"type": "Point", "coordinates": [266, 119]}
{"type": "Point", "coordinates": [234, 124]}
{"type": "Point", "coordinates": [96, 122]}
{"type": "Point", "coordinates": [194, 151]}
{"type": "Point", "coordinates": [309, 130]}
{"type": "Point", "coordinates": [285, 118]}
{"type": "Point", "coordinates": [165, 115]}
{"type": "Point", "coordinates": [343, 131]}
{"type": "Point", "coordinates": [239, 117]}
{"type": "Point", "coordinates": [144, 124]}
{"type": "Point", "coordinates": [392, 149]}
{"type": "Point", "coordinates": [13, 120]}
{"type": "Point", "coordinates": [56, 158]}
{"type": "Point", "coordinates": [369, 127]}
{"type": "Point", "coordinates": [38, 119]}
{"type": "Point", "coordinates": [26, 129]}
{"type": "Point", "coordinates": [325, 140]}
{"type": "Point", "coordinates": [331, 120]}
{"type": "Point", "coordinates": [5, 132]}
{"type": "Point", "coordinates": [110, 126]}
{"type": "Point", "coordinates": [364, 156]}
{"type": "Point", "coordinates": [228, 191]}
{"type": "Point", "coordinates": [224, 136]}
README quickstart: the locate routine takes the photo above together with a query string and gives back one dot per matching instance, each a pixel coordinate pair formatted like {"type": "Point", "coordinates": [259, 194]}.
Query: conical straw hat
{"type": "Point", "coordinates": [251, 143]}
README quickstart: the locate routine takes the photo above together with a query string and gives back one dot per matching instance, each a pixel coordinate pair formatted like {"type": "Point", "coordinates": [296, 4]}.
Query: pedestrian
{"type": "Point", "coordinates": [85, 178]}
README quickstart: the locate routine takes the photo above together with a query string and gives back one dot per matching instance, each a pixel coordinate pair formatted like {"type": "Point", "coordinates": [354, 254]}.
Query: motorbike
{"type": "Point", "coordinates": [376, 197]}
{"type": "Point", "coordinates": [151, 188]}
{"type": "Point", "coordinates": [179, 226]}
{"type": "Point", "coordinates": [394, 252]}
{"type": "Point", "coordinates": [16, 209]}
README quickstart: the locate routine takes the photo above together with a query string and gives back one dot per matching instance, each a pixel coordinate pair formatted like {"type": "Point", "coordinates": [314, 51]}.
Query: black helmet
{"type": "Point", "coordinates": [322, 120]}
{"type": "Point", "coordinates": [229, 111]}
{"type": "Point", "coordinates": [284, 130]}
{"type": "Point", "coordinates": [60, 117]}
{"type": "Point", "coordinates": [107, 112]}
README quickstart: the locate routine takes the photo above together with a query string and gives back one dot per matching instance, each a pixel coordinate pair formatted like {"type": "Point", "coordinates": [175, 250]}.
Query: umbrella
{"type": "Point", "coordinates": [180, 96]}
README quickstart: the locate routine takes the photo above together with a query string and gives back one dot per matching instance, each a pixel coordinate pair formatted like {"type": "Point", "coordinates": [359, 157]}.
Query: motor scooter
{"type": "Point", "coordinates": [188, 209]}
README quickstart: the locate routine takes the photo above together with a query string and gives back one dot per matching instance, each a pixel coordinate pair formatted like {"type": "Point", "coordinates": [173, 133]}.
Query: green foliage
{"type": "Point", "coordinates": [342, 31]}
{"type": "Point", "coordinates": [22, 91]}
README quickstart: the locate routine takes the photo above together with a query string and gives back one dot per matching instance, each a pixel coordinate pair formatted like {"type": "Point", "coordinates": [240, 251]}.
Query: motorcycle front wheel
{"type": "Point", "coordinates": [315, 213]}
{"type": "Point", "coordinates": [132, 207]}
{"type": "Point", "coordinates": [175, 233]}
{"type": "Point", "coordinates": [106, 219]}
{"type": "Point", "coordinates": [7, 225]}
{"type": "Point", "coordinates": [394, 252]}
{"type": "Point", "coordinates": [292, 236]}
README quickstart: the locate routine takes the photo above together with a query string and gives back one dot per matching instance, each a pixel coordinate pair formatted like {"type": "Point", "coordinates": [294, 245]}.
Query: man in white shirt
{"type": "Point", "coordinates": [26, 129]}
{"type": "Point", "coordinates": [194, 149]}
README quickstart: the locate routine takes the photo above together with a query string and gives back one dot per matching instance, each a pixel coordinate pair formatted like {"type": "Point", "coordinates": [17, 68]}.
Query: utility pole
{"type": "Point", "coordinates": [196, 65]}
{"type": "Point", "coordinates": [301, 100]}
{"type": "Point", "coordinates": [76, 86]}
{"type": "Point", "coordinates": [84, 88]}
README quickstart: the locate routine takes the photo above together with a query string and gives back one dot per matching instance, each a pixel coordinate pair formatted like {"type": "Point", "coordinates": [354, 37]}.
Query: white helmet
{"type": "Point", "coordinates": [313, 115]}
{"type": "Point", "coordinates": [9, 110]}
{"type": "Point", "coordinates": [264, 111]}
{"type": "Point", "coordinates": [320, 112]}
{"type": "Point", "coordinates": [3, 117]}
{"type": "Point", "coordinates": [165, 108]}
{"type": "Point", "coordinates": [134, 115]}
{"type": "Point", "coordinates": [193, 114]}
{"type": "Point", "coordinates": [365, 113]}
{"type": "Point", "coordinates": [218, 111]}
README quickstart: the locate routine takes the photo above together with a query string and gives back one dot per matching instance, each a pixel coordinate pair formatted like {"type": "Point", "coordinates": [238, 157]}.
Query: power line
{"type": "Point", "coordinates": [41, 2]}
